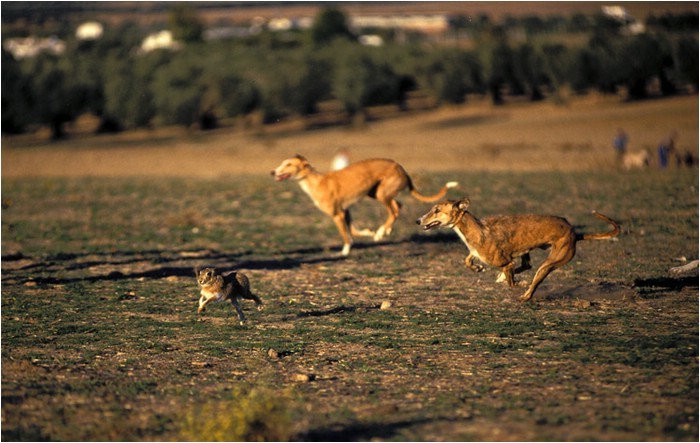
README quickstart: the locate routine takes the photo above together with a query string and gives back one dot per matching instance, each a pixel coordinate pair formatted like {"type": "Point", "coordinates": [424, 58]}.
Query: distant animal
{"type": "Point", "coordinates": [217, 287]}
{"type": "Point", "coordinates": [340, 160]}
{"type": "Point", "coordinates": [635, 160]}
{"type": "Point", "coordinates": [334, 192]}
{"type": "Point", "coordinates": [499, 240]}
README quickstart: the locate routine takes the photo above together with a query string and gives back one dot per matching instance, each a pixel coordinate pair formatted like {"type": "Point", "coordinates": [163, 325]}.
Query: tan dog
{"type": "Point", "coordinates": [334, 192]}
{"type": "Point", "coordinates": [635, 160]}
{"type": "Point", "coordinates": [499, 240]}
{"type": "Point", "coordinates": [217, 287]}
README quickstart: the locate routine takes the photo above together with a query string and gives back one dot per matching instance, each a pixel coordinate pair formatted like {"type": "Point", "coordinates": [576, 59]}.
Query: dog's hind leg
{"type": "Point", "coordinates": [354, 231]}
{"type": "Point", "coordinates": [258, 303]}
{"type": "Point", "coordinates": [393, 209]}
{"type": "Point", "coordinates": [524, 264]}
{"type": "Point", "coordinates": [557, 258]}
{"type": "Point", "coordinates": [241, 317]}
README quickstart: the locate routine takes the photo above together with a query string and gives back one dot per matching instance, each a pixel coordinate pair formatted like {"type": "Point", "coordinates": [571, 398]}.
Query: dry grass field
{"type": "Point", "coordinates": [101, 340]}
{"type": "Point", "coordinates": [473, 137]}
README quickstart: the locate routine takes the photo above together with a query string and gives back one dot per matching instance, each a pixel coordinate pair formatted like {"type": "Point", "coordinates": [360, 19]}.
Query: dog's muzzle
{"type": "Point", "coordinates": [429, 226]}
{"type": "Point", "coordinates": [280, 177]}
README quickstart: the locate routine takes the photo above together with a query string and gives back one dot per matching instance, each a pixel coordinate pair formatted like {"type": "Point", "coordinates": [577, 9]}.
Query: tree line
{"type": "Point", "coordinates": [288, 74]}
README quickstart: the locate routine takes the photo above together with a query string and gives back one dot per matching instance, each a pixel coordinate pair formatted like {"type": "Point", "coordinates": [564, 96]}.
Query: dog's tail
{"type": "Point", "coordinates": [432, 198]}
{"type": "Point", "coordinates": [601, 235]}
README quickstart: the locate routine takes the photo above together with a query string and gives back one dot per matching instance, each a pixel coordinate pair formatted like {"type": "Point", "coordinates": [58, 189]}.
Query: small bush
{"type": "Point", "coordinates": [256, 415]}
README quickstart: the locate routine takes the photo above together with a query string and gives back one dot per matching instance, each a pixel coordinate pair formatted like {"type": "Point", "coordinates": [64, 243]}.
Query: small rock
{"type": "Point", "coordinates": [584, 304]}
{"type": "Point", "coordinates": [273, 354]}
{"type": "Point", "coordinates": [304, 377]}
{"type": "Point", "coordinates": [385, 305]}
{"type": "Point", "coordinates": [201, 364]}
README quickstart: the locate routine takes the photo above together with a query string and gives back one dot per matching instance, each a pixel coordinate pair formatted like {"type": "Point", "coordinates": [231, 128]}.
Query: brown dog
{"type": "Point", "coordinates": [499, 240]}
{"type": "Point", "coordinates": [334, 192]}
{"type": "Point", "coordinates": [217, 287]}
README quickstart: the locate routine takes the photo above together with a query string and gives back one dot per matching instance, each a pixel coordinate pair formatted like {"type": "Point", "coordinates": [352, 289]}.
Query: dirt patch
{"type": "Point", "coordinates": [101, 339]}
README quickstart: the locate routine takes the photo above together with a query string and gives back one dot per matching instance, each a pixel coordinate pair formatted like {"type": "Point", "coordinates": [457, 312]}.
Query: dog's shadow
{"type": "Point", "coordinates": [66, 268]}
{"type": "Point", "coordinates": [70, 268]}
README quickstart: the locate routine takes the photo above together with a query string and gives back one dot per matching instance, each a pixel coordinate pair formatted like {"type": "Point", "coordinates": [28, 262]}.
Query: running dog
{"type": "Point", "coordinates": [218, 287]}
{"type": "Point", "coordinates": [499, 240]}
{"type": "Point", "coordinates": [334, 192]}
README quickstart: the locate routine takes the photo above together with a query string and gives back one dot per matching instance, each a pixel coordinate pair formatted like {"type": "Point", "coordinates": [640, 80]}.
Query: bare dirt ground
{"type": "Point", "coordinates": [100, 234]}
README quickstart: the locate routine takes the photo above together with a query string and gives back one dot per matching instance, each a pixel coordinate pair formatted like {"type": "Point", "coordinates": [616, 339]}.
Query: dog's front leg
{"type": "Point", "coordinates": [469, 262]}
{"type": "Point", "coordinates": [507, 274]}
{"type": "Point", "coordinates": [342, 225]}
{"type": "Point", "coordinates": [203, 301]}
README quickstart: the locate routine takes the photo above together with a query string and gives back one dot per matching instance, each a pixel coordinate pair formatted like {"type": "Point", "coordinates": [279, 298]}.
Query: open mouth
{"type": "Point", "coordinates": [432, 225]}
{"type": "Point", "coordinates": [282, 177]}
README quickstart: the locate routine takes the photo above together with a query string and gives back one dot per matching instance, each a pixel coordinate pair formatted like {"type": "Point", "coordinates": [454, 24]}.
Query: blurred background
{"type": "Point", "coordinates": [76, 68]}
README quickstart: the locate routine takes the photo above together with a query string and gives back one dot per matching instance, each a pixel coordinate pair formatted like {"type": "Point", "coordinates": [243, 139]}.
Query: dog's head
{"type": "Point", "coordinates": [444, 214]}
{"type": "Point", "coordinates": [294, 167]}
{"type": "Point", "coordinates": [205, 276]}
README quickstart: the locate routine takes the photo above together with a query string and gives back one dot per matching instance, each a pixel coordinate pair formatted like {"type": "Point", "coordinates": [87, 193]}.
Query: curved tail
{"type": "Point", "coordinates": [432, 198]}
{"type": "Point", "coordinates": [601, 235]}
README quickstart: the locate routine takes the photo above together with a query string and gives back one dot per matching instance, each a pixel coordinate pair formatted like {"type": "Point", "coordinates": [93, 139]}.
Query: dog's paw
{"type": "Point", "coordinates": [365, 233]}
{"type": "Point", "coordinates": [200, 310]}
{"type": "Point", "coordinates": [380, 233]}
{"type": "Point", "coordinates": [525, 297]}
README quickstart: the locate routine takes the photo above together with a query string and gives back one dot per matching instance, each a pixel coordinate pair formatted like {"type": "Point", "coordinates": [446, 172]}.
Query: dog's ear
{"type": "Point", "coordinates": [301, 158]}
{"type": "Point", "coordinates": [463, 204]}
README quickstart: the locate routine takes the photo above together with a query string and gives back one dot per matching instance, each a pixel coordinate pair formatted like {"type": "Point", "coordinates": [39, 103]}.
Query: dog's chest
{"type": "Point", "coordinates": [306, 187]}
{"type": "Point", "coordinates": [472, 250]}
{"type": "Point", "coordinates": [217, 295]}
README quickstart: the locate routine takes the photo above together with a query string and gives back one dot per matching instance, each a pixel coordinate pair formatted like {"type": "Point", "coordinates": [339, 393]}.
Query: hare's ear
{"type": "Point", "coordinates": [196, 270]}
{"type": "Point", "coordinates": [463, 204]}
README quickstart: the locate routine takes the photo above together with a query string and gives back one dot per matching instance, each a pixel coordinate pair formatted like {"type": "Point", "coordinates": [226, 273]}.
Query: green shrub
{"type": "Point", "coordinates": [257, 415]}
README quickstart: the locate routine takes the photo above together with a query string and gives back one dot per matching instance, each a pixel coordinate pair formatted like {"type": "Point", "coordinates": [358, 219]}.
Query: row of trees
{"type": "Point", "coordinates": [279, 75]}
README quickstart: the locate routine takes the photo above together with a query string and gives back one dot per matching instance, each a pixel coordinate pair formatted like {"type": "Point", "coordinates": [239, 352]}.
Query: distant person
{"type": "Point", "coordinates": [666, 148]}
{"type": "Point", "coordinates": [340, 160]}
{"type": "Point", "coordinates": [620, 145]}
